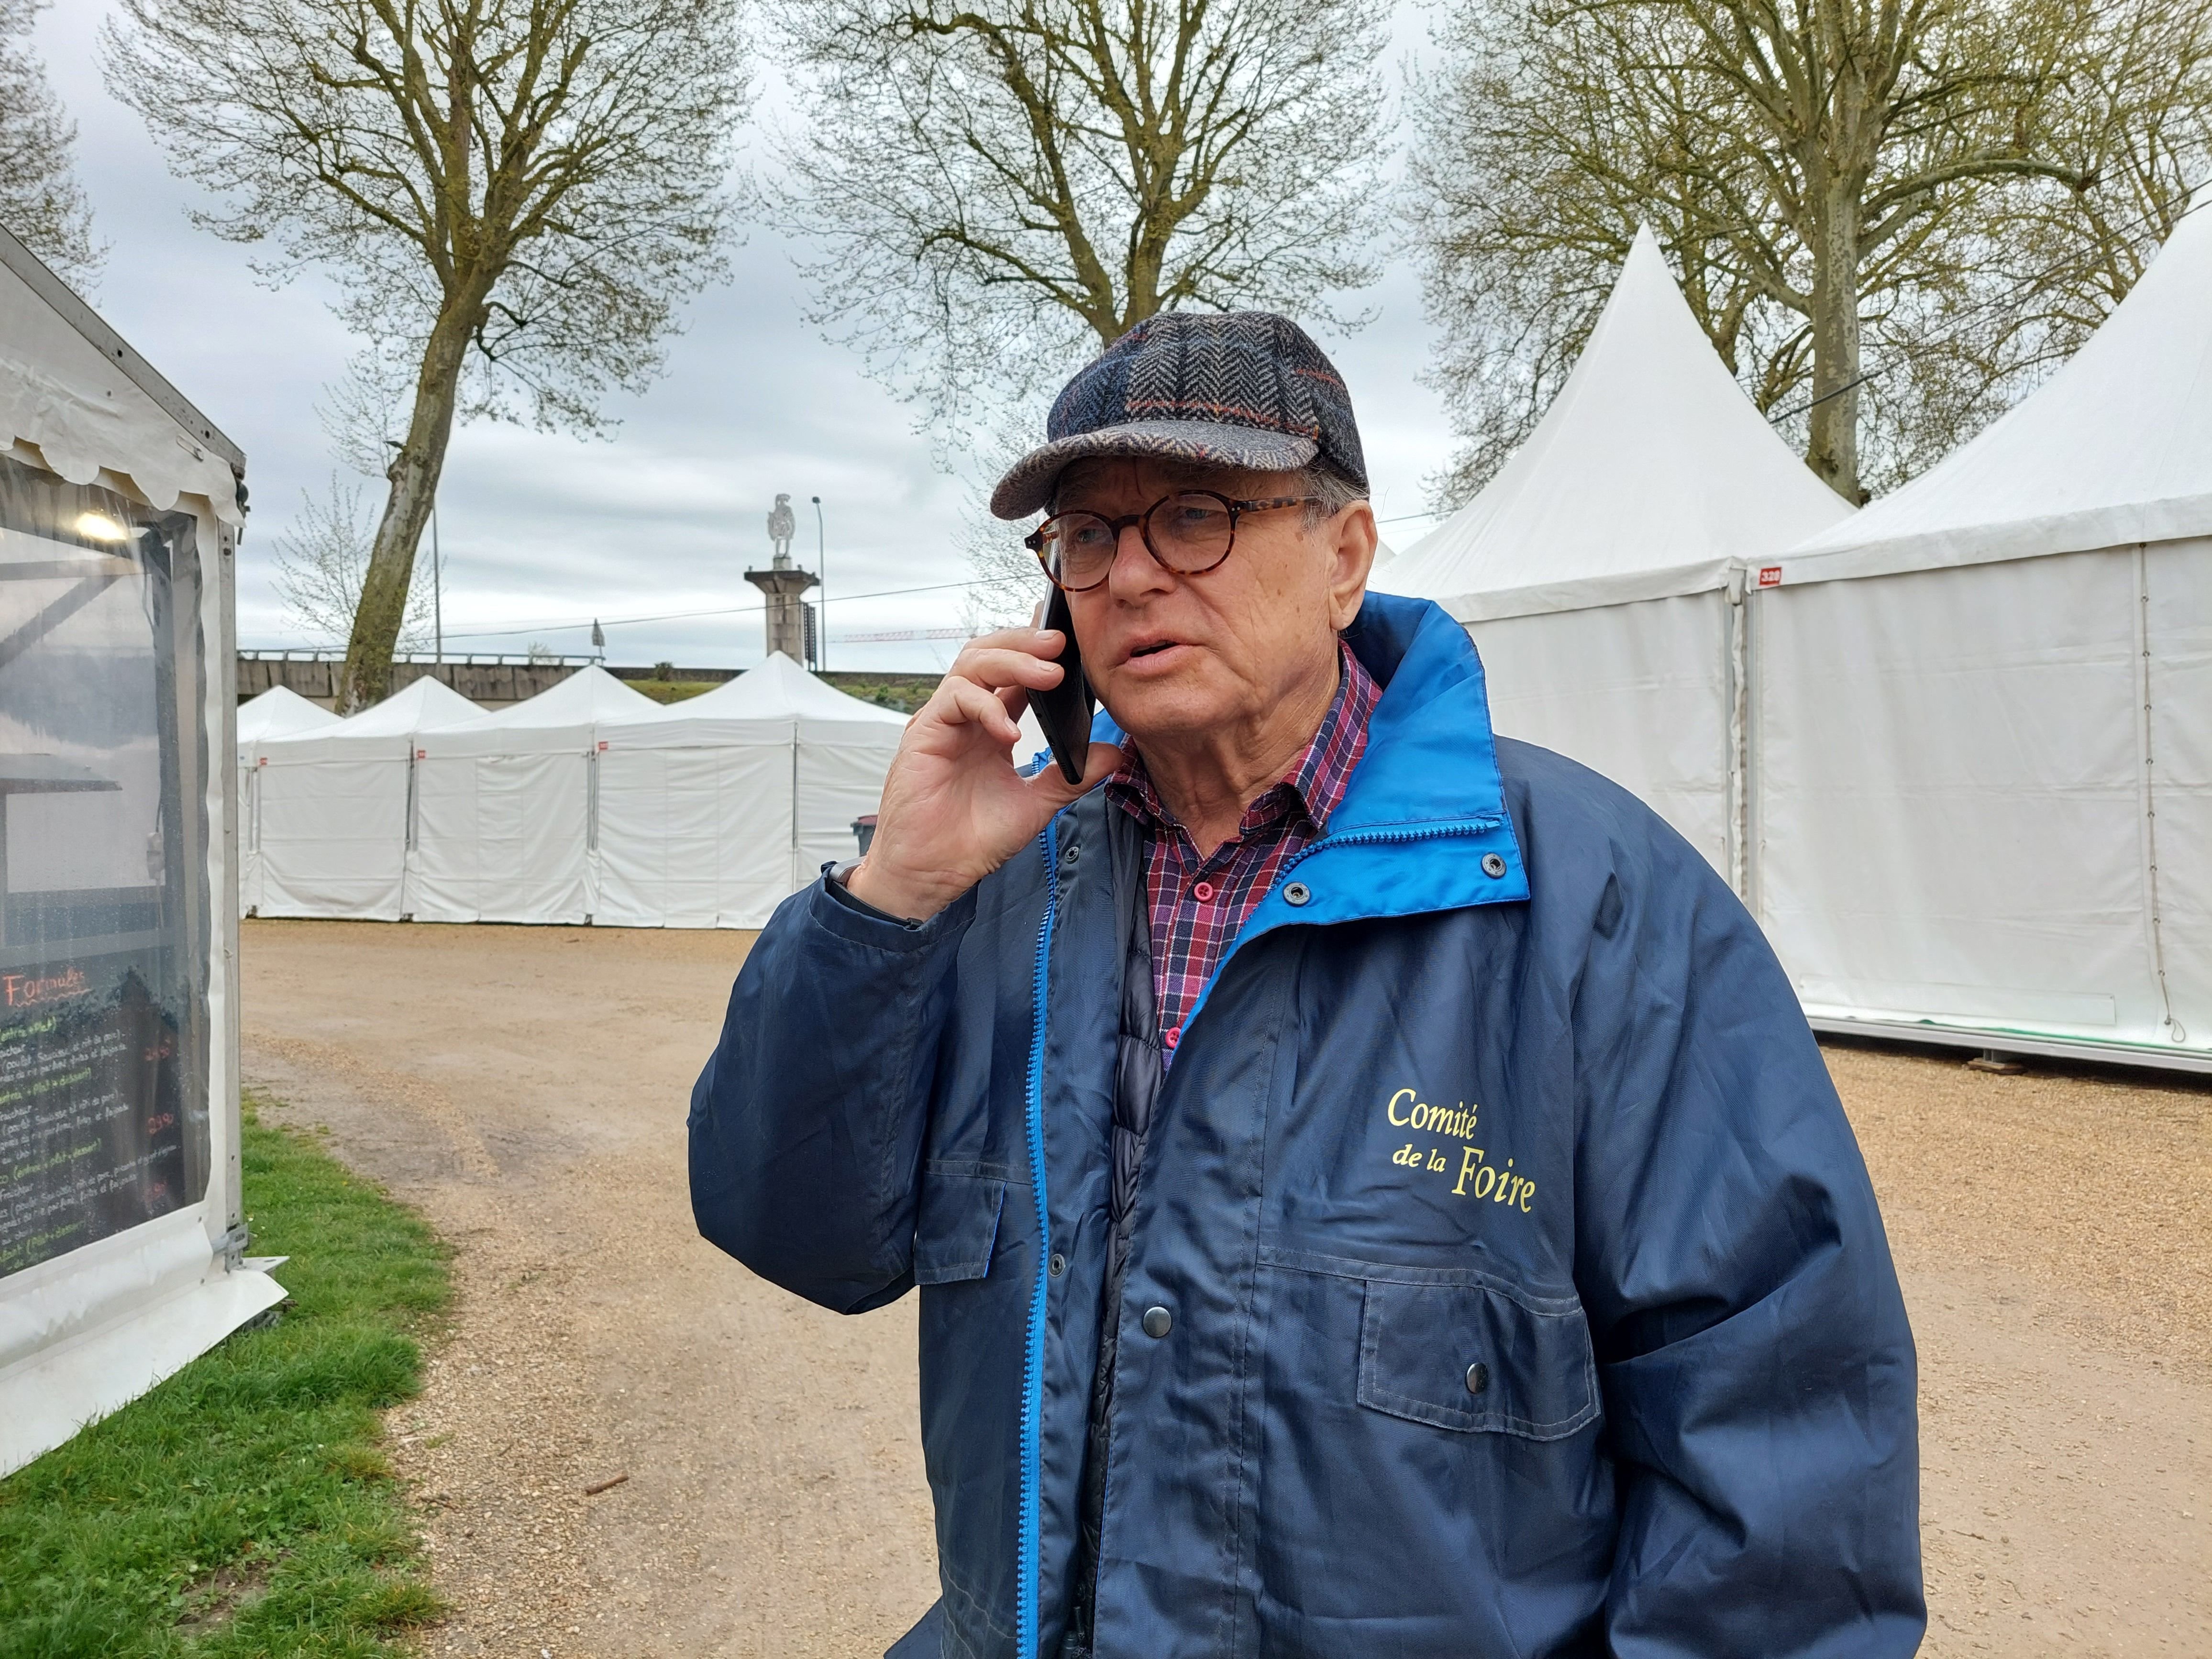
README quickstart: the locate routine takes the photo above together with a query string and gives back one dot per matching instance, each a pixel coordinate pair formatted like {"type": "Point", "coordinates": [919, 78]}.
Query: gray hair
{"type": "Point", "coordinates": [1332, 492]}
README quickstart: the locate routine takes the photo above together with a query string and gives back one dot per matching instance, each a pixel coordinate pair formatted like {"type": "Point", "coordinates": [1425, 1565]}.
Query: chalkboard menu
{"type": "Point", "coordinates": [103, 902]}
{"type": "Point", "coordinates": [92, 1113]}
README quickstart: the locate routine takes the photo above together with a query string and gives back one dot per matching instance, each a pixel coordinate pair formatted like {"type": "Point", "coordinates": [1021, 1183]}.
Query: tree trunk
{"type": "Point", "coordinates": [415, 471]}
{"type": "Point", "coordinates": [1833, 451]}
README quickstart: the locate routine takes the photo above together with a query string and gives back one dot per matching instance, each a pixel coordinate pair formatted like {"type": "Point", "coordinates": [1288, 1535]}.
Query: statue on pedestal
{"type": "Point", "coordinates": [783, 583]}
{"type": "Point", "coordinates": [781, 526]}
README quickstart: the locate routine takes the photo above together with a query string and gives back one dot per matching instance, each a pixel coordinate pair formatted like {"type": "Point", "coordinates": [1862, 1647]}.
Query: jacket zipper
{"type": "Point", "coordinates": [1356, 838]}
{"type": "Point", "coordinates": [1032, 1393]}
{"type": "Point", "coordinates": [1363, 837]}
{"type": "Point", "coordinates": [1026, 1570]}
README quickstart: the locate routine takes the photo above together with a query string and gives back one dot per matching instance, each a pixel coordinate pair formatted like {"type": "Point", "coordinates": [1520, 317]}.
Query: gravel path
{"type": "Point", "coordinates": [2054, 1234]}
{"type": "Point", "coordinates": [527, 1087]}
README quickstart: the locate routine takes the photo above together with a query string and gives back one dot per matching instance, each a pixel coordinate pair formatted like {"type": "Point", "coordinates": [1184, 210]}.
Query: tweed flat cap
{"type": "Point", "coordinates": [1244, 389]}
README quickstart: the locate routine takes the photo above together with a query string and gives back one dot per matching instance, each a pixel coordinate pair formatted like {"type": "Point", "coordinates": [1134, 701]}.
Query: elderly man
{"type": "Point", "coordinates": [1371, 1188]}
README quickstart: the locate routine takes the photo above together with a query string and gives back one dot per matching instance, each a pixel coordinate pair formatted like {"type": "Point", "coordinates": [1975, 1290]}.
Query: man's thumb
{"type": "Point", "coordinates": [1103, 760]}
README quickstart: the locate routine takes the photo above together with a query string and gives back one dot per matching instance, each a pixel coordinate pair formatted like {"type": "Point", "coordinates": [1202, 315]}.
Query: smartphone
{"type": "Point", "coordinates": [1064, 712]}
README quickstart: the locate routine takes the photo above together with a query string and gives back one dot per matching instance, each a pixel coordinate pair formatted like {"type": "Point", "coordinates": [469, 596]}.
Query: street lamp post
{"type": "Point", "coordinates": [822, 606]}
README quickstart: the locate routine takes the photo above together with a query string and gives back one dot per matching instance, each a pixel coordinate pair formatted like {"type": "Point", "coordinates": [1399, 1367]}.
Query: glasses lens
{"type": "Point", "coordinates": [1191, 533]}
{"type": "Point", "coordinates": [1077, 549]}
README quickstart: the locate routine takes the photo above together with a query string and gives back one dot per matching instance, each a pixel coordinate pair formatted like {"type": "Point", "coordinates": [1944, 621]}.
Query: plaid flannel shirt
{"type": "Point", "coordinates": [1198, 905]}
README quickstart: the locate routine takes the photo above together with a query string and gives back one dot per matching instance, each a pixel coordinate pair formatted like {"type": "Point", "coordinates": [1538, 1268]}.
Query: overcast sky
{"type": "Point", "coordinates": [541, 534]}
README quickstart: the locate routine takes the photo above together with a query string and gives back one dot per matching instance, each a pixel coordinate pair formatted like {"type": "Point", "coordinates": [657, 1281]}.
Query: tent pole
{"type": "Point", "coordinates": [1739, 734]}
{"type": "Point", "coordinates": [2174, 1030]}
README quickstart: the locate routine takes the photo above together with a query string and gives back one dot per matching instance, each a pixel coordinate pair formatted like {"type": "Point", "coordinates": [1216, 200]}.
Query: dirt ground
{"type": "Point", "coordinates": [525, 1087]}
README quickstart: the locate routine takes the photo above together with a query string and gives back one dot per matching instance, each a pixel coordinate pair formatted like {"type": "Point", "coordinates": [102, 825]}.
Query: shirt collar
{"type": "Point", "coordinates": [1317, 780]}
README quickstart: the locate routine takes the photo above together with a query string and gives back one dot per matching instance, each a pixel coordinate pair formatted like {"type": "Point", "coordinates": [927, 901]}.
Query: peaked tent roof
{"type": "Point", "coordinates": [1650, 474]}
{"type": "Point", "coordinates": [779, 689]}
{"type": "Point", "coordinates": [425, 705]}
{"type": "Point", "coordinates": [2114, 449]}
{"type": "Point", "coordinates": [280, 711]}
{"type": "Point", "coordinates": [776, 693]}
{"type": "Point", "coordinates": [560, 719]}
{"type": "Point", "coordinates": [586, 696]}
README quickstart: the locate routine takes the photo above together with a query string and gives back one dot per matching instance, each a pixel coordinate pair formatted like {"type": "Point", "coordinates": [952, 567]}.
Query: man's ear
{"type": "Point", "coordinates": [1352, 536]}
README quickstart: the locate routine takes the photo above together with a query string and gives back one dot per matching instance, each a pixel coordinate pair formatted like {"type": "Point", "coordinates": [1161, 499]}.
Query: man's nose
{"type": "Point", "coordinates": [1135, 572]}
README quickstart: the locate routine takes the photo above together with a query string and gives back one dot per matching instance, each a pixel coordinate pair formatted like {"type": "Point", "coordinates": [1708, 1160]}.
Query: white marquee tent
{"type": "Point", "coordinates": [713, 811]}
{"type": "Point", "coordinates": [279, 712]}
{"type": "Point", "coordinates": [504, 818]}
{"type": "Point", "coordinates": [1594, 571]}
{"type": "Point", "coordinates": [1984, 717]}
{"type": "Point", "coordinates": [333, 808]}
{"type": "Point", "coordinates": [122, 1228]}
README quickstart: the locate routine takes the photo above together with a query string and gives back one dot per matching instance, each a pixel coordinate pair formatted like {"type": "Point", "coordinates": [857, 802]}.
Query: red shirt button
{"type": "Point", "coordinates": [1203, 891]}
{"type": "Point", "coordinates": [1172, 1035]}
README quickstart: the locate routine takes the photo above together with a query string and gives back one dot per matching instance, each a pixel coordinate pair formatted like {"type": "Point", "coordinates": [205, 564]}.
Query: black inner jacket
{"type": "Point", "coordinates": [1138, 1071]}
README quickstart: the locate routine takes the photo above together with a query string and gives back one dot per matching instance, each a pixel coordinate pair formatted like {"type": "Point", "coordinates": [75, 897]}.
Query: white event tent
{"type": "Point", "coordinates": [333, 808]}
{"type": "Point", "coordinates": [504, 818]}
{"type": "Point", "coordinates": [1984, 717]}
{"type": "Point", "coordinates": [713, 811]}
{"type": "Point", "coordinates": [1600, 572]}
{"type": "Point", "coordinates": [123, 1235]}
{"type": "Point", "coordinates": [279, 712]}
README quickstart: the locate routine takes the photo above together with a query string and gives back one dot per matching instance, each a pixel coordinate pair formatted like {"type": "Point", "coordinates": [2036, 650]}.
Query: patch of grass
{"type": "Point", "coordinates": [903, 692]}
{"type": "Point", "coordinates": [665, 691]}
{"type": "Point", "coordinates": [243, 1509]}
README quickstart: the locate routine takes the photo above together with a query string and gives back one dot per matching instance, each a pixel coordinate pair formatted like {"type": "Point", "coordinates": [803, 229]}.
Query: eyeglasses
{"type": "Point", "coordinates": [1188, 533]}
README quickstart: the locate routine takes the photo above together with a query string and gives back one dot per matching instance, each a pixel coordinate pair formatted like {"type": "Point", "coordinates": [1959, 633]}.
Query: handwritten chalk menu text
{"type": "Point", "coordinates": [92, 1132]}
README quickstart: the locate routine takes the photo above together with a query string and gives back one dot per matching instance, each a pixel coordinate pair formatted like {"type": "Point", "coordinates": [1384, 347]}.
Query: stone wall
{"type": "Point", "coordinates": [490, 683]}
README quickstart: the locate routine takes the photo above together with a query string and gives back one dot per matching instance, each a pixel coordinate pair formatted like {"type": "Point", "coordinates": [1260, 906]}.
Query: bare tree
{"type": "Point", "coordinates": [322, 560]}
{"type": "Point", "coordinates": [1963, 186]}
{"type": "Point", "coordinates": [513, 194]}
{"type": "Point", "coordinates": [40, 200]}
{"type": "Point", "coordinates": [999, 187]}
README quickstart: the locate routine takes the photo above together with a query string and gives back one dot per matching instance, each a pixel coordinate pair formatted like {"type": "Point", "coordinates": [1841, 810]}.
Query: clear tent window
{"type": "Point", "coordinates": [103, 867]}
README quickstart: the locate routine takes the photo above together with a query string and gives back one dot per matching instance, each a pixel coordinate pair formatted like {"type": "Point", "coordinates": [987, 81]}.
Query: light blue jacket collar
{"type": "Point", "coordinates": [1426, 807]}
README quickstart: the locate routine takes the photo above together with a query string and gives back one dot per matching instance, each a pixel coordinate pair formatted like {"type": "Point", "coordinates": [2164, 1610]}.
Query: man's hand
{"type": "Point", "coordinates": [954, 808]}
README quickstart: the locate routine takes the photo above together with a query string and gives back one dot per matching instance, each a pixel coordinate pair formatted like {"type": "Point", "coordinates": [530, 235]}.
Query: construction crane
{"type": "Point", "coordinates": [888, 635]}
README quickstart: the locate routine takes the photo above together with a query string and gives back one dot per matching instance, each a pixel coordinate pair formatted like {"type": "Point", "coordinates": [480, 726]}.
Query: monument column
{"type": "Point", "coordinates": [782, 583]}
{"type": "Point", "coordinates": [787, 630]}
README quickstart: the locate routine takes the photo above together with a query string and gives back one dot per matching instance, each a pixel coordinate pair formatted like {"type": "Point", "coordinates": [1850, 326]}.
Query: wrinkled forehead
{"type": "Point", "coordinates": [1126, 483]}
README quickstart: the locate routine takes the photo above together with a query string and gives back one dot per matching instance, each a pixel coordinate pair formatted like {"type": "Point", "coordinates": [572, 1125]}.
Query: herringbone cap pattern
{"type": "Point", "coordinates": [1244, 389]}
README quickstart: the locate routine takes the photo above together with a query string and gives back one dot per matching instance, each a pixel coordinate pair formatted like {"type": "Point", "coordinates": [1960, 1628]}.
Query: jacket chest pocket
{"type": "Point", "coordinates": [1476, 1357]}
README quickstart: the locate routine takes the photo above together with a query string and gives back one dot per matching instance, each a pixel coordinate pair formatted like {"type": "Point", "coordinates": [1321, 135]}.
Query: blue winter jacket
{"type": "Point", "coordinates": [1526, 1294]}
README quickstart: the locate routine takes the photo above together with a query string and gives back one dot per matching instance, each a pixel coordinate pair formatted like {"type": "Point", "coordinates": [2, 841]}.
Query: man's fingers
{"type": "Point", "coordinates": [1024, 637]}
{"type": "Point", "coordinates": [970, 704]}
{"type": "Point", "coordinates": [1026, 659]}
